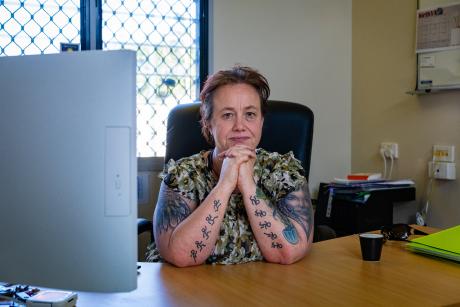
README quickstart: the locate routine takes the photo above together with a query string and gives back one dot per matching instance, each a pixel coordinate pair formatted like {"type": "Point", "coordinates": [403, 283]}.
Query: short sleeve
{"type": "Point", "coordinates": [186, 176]}
{"type": "Point", "coordinates": [281, 174]}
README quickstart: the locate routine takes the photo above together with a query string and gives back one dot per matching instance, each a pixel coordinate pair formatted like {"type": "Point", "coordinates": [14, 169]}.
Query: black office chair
{"type": "Point", "coordinates": [145, 225]}
{"type": "Point", "coordinates": [287, 127]}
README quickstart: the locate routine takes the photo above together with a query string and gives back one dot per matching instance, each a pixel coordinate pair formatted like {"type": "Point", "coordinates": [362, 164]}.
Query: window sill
{"type": "Point", "coordinates": [150, 164]}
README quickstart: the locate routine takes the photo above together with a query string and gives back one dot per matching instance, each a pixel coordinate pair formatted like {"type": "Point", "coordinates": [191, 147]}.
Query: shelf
{"type": "Point", "coordinates": [432, 91]}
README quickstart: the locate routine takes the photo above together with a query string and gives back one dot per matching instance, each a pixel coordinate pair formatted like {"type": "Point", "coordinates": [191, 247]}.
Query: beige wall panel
{"type": "Point", "coordinates": [384, 69]}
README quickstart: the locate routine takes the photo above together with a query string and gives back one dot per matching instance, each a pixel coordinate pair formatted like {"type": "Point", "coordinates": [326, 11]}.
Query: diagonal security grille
{"type": "Point", "coordinates": [38, 27]}
{"type": "Point", "coordinates": [165, 35]}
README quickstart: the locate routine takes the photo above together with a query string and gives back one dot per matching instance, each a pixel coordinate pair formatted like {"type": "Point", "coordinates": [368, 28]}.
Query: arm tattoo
{"type": "Point", "coordinates": [200, 245]}
{"type": "Point", "coordinates": [271, 235]}
{"type": "Point", "coordinates": [265, 224]}
{"type": "Point", "coordinates": [290, 234]}
{"type": "Point", "coordinates": [171, 210]}
{"type": "Point", "coordinates": [277, 245]}
{"type": "Point", "coordinates": [260, 213]}
{"type": "Point", "coordinates": [217, 204]}
{"type": "Point", "coordinates": [210, 219]}
{"type": "Point", "coordinates": [193, 254]}
{"type": "Point", "coordinates": [254, 200]}
{"type": "Point", "coordinates": [205, 232]}
{"type": "Point", "coordinates": [295, 206]}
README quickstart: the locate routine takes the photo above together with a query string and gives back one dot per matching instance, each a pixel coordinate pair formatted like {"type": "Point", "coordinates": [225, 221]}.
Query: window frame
{"type": "Point", "coordinates": [93, 40]}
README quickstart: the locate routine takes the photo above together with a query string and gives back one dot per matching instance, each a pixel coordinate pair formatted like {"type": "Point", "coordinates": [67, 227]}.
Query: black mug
{"type": "Point", "coordinates": [371, 246]}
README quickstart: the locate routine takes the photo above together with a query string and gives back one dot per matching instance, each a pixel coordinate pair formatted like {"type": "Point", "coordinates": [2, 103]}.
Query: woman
{"type": "Point", "coordinates": [235, 203]}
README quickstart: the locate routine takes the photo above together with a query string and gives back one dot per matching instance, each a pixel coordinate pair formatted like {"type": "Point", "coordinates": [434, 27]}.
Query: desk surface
{"type": "Point", "coordinates": [331, 274]}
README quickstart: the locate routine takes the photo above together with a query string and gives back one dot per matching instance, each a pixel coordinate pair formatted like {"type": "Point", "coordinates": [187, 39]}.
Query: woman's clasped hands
{"type": "Point", "coordinates": [237, 171]}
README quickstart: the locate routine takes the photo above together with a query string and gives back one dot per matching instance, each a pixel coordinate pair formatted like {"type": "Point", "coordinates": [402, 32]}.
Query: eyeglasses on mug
{"type": "Point", "coordinates": [399, 232]}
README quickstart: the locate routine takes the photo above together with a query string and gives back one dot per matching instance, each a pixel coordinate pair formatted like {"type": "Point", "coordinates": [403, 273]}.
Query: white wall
{"type": "Point", "coordinates": [303, 47]}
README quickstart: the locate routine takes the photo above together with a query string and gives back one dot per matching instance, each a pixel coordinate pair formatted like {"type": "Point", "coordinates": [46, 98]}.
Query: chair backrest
{"type": "Point", "coordinates": [287, 126]}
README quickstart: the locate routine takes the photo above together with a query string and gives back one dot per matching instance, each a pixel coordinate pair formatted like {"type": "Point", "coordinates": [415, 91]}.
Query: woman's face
{"type": "Point", "coordinates": [237, 117]}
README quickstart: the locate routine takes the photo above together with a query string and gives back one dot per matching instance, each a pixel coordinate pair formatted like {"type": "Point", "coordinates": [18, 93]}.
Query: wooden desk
{"type": "Point", "coordinates": [332, 274]}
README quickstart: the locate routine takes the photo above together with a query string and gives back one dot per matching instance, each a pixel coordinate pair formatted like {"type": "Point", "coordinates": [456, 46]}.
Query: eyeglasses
{"type": "Point", "coordinates": [399, 232]}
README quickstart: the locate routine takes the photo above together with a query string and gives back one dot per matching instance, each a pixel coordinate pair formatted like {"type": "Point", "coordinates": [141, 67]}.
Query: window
{"type": "Point", "coordinates": [165, 35]}
{"type": "Point", "coordinates": [34, 27]}
{"type": "Point", "coordinates": [169, 36]}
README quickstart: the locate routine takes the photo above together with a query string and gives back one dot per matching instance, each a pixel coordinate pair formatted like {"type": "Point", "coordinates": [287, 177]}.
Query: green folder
{"type": "Point", "coordinates": [445, 244]}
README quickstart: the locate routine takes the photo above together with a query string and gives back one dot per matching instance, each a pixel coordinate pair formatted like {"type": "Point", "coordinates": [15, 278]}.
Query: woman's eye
{"type": "Point", "coordinates": [251, 115]}
{"type": "Point", "coordinates": [227, 115]}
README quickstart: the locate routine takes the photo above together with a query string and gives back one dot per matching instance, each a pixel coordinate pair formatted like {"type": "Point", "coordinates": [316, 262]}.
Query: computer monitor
{"type": "Point", "coordinates": [68, 171]}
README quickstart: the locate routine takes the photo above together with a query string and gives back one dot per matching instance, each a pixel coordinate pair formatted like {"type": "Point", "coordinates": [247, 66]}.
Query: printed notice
{"type": "Point", "coordinates": [438, 28]}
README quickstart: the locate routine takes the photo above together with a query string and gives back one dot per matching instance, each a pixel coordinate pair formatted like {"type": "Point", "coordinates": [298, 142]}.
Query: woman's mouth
{"type": "Point", "coordinates": [239, 139]}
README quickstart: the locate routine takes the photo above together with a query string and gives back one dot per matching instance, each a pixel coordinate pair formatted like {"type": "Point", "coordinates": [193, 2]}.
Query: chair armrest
{"type": "Point", "coordinates": [144, 225]}
{"type": "Point", "coordinates": [323, 232]}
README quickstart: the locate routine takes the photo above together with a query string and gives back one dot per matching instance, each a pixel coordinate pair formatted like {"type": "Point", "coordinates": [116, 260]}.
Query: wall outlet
{"type": "Point", "coordinates": [390, 149]}
{"type": "Point", "coordinates": [442, 170]}
{"type": "Point", "coordinates": [444, 153]}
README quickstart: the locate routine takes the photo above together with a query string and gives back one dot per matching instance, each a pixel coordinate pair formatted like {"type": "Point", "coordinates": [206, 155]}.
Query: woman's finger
{"type": "Point", "coordinates": [237, 150]}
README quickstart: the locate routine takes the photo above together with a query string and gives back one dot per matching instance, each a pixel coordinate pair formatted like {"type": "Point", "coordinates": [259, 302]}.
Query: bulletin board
{"type": "Point", "coordinates": [438, 45]}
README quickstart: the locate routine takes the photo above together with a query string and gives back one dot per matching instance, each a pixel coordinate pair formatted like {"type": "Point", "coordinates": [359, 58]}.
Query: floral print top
{"type": "Point", "coordinates": [276, 174]}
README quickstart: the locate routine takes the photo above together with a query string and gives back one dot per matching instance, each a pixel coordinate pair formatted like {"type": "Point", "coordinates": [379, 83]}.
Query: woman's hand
{"type": "Point", "coordinates": [234, 159]}
{"type": "Point", "coordinates": [246, 175]}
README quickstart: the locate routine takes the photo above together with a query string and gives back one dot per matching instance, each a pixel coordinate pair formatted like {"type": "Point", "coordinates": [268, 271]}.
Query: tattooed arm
{"type": "Point", "coordinates": [284, 231]}
{"type": "Point", "coordinates": [185, 233]}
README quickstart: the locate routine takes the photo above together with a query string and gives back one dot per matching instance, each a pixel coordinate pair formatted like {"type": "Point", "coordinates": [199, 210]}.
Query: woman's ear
{"type": "Point", "coordinates": [208, 126]}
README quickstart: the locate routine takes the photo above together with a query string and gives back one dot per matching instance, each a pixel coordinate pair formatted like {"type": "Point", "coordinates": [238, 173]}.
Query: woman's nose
{"type": "Point", "coordinates": [239, 123]}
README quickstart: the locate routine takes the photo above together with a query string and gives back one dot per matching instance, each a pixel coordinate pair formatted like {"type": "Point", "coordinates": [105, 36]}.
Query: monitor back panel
{"type": "Point", "coordinates": [68, 170]}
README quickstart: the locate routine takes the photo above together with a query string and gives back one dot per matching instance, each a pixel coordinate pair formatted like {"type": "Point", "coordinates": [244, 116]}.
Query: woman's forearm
{"type": "Point", "coordinates": [194, 239]}
{"type": "Point", "coordinates": [281, 238]}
